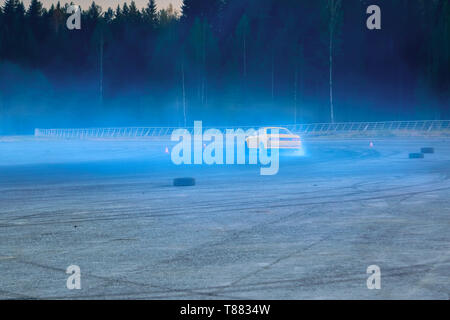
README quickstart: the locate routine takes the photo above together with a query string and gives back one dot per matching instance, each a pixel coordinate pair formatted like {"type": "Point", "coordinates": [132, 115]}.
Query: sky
{"type": "Point", "coordinates": [108, 3]}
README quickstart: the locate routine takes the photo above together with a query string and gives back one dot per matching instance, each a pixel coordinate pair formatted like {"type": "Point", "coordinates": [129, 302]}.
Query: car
{"type": "Point", "coordinates": [264, 136]}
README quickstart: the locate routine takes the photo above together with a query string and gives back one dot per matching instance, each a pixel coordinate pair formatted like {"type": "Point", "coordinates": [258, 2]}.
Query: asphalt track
{"type": "Point", "coordinates": [309, 232]}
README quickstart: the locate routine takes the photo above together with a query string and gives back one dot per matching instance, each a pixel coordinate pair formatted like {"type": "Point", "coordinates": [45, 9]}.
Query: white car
{"type": "Point", "coordinates": [265, 136]}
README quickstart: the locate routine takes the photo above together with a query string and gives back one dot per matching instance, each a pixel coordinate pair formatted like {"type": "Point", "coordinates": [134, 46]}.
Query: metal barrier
{"type": "Point", "coordinates": [315, 129]}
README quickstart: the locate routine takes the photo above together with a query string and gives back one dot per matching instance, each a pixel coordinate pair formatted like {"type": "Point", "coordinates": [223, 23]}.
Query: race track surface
{"type": "Point", "coordinates": [309, 232]}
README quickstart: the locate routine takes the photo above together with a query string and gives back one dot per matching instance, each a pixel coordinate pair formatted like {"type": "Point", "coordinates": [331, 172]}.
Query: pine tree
{"type": "Point", "coordinates": [57, 17]}
{"type": "Point", "coordinates": [150, 13]}
{"type": "Point", "coordinates": [125, 11]}
{"type": "Point", "coordinates": [13, 29]}
{"type": "Point", "coordinates": [10, 7]}
{"type": "Point", "coordinates": [20, 12]}
{"type": "Point", "coordinates": [109, 15]}
{"type": "Point", "coordinates": [34, 10]}
{"type": "Point", "coordinates": [34, 29]}
{"type": "Point", "coordinates": [118, 13]}
{"type": "Point", "coordinates": [134, 15]}
{"type": "Point", "coordinates": [94, 12]}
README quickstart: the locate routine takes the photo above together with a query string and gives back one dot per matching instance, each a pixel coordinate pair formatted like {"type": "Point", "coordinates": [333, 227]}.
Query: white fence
{"type": "Point", "coordinates": [315, 129]}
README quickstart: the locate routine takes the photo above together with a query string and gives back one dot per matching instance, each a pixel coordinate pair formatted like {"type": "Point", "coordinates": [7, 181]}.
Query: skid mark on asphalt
{"type": "Point", "coordinates": [159, 291]}
{"type": "Point", "coordinates": [235, 235]}
{"type": "Point", "coordinates": [134, 214]}
{"type": "Point", "coordinates": [275, 262]}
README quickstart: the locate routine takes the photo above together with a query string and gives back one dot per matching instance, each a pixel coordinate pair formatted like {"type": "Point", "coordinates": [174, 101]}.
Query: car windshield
{"type": "Point", "coordinates": [278, 130]}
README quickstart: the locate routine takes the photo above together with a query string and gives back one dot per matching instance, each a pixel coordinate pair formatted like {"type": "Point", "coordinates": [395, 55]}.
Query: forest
{"type": "Point", "coordinates": [225, 62]}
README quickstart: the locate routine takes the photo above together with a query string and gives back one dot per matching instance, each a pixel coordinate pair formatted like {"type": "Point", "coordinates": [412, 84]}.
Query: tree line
{"type": "Point", "coordinates": [226, 62]}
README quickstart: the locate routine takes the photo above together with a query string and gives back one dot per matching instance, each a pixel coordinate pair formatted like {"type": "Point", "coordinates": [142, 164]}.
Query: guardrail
{"type": "Point", "coordinates": [314, 129]}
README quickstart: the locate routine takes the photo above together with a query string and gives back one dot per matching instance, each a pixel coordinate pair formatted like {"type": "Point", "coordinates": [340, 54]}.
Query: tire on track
{"type": "Point", "coordinates": [184, 182]}
{"type": "Point", "coordinates": [416, 156]}
{"type": "Point", "coordinates": [427, 150]}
